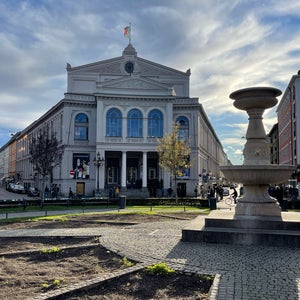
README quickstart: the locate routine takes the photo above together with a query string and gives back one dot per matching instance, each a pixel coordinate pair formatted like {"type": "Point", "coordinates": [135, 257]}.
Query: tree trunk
{"type": "Point", "coordinates": [176, 190]}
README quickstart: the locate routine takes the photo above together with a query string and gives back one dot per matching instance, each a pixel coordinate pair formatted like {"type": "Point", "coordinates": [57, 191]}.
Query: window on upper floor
{"type": "Point", "coordinates": [183, 131]}
{"type": "Point", "coordinates": [134, 123]}
{"type": "Point", "coordinates": [155, 123]}
{"type": "Point", "coordinates": [114, 122]}
{"type": "Point", "coordinates": [294, 92]}
{"type": "Point", "coordinates": [81, 127]}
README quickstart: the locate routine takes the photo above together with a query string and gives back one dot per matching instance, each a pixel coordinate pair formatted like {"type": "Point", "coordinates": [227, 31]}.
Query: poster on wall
{"type": "Point", "coordinates": [185, 174]}
{"type": "Point", "coordinates": [81, 166]}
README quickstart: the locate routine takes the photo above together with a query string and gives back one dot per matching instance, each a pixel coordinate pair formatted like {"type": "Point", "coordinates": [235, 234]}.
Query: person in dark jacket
{"type": "Point", "coordinates": [279, 195]}
{"type": "Point", "coordinates": [234, 195]}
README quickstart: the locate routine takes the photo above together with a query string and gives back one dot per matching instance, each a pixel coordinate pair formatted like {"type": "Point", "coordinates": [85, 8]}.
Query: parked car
{"type": "Point", "coordinates": [10, 187]}
{"type": "Point", "coordinates": [19, 188]}
{"type": "Point", "coordinates": [33, 192]}
{"type": "Point", "coordinates": [226, 191]}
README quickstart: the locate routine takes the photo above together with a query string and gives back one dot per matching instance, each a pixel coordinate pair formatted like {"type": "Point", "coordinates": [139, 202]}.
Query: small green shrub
{"type": "Point", "coordinates": [159, 269]}
{"type": "Point", "coordinates": [207, 277]}
{"type": "Point", "coordinates": [56, 283]}
{"type": "Point", "coordinates": [50, 251]}
{"type": "Point", "coordinates": [127, 263]}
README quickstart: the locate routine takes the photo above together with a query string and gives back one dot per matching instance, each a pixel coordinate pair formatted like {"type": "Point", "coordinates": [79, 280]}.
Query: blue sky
{"type": "Point", "coordinates": [227, 44]}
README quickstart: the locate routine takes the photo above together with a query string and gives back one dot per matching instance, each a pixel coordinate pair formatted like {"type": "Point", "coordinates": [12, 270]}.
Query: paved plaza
{"type": "Point", "coordinates": [242, 272]}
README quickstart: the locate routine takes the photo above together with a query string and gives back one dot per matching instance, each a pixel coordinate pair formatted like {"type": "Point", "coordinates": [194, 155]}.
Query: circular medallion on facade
{"type": "Point", "coordinates": [129, 67]}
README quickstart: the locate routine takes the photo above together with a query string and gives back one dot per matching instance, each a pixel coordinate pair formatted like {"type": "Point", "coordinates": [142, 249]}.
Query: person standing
{"type": "Point", "coordinates": [220, 192]}
{"type": "Point", "coordinates": [117, 192]}
{"type": "Point", "coordinates": [71, 194]}
{"type": "Point", "coordinates": [279, 195]}
{"type": "Point", "coordinates": [234, 195]}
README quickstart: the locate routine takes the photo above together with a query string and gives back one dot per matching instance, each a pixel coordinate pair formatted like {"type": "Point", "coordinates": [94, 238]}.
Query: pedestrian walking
{"type": "Point", "coordinates": [234, 195]}
{"type": "Point", "coordinates": [71, 194]}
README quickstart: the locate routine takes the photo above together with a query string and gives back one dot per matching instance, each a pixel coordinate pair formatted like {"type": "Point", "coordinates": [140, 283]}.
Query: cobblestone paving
{"type": "Point", "coordinates": [245, 272]}
{"type": "Point", "coordinates": [242, 272]}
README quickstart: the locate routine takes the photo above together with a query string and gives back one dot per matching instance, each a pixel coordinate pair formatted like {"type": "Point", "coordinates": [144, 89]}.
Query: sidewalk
{"type": "Point", "coordinates": [43, 213]}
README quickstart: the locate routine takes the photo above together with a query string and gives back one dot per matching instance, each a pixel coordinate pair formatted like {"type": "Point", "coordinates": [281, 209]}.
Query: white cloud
{"type": "Point", "coordinates": [227, 44]}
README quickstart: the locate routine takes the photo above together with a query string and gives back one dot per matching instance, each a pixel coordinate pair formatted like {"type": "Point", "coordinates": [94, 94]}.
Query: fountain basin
{"type": "Point", "coordinates": [258, 174]}
{"type": "Point", "coordinates": [255, 97]}
{"type": "Point", "coordinates": [256, 200]}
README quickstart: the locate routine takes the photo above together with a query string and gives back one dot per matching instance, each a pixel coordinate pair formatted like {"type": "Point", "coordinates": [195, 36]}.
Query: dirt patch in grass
{"type": "Point", "coordinates": [94, 220]}
{"type": "Point", "coordinates": [33, 266]}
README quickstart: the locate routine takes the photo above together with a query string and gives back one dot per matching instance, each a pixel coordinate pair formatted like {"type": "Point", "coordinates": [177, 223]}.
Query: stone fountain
{"type": "Point", "coordinates": [257, 173]}
{"type": "Point", "coordinates": [257, 218]}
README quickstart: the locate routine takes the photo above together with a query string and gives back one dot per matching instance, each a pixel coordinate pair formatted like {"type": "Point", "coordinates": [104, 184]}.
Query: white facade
{"type": "Point", "coordinates": [116, 108]}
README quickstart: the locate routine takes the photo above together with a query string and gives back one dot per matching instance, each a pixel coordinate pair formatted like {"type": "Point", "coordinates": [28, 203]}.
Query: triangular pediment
{"type": "Point", "coordinates": [150, 68]}
{"type": "Point", "coordinates": [135, 85]}
{"type": "Point", "coordinates": [126, 74]}
{"type": "Point", "coordinates": [115, 66]}
{"type": "Point", "coordinates": [110, 67]}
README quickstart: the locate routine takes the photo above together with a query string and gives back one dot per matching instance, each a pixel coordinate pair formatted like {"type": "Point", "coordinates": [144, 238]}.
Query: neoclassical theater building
{"type": "Point", "coordinates": [114, 111]}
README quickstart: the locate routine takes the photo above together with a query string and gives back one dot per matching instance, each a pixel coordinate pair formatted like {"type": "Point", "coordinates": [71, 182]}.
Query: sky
{"type": "Point", "coordinates": [227, 44]}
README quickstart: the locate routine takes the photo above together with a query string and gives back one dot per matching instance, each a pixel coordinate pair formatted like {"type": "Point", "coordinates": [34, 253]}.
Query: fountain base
{"type": "Point", "coordinates": [227, 228]}
{"type": "Point", "coordinates": [257, 202]}
{"type": "Point", "coordinates": [268, 209]}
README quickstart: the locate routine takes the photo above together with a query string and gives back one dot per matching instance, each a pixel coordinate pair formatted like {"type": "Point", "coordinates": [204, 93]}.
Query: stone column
{"type": "Point", "coordinates": [144, 169]}
{"type": "Point", "coordinates": [124, 167]}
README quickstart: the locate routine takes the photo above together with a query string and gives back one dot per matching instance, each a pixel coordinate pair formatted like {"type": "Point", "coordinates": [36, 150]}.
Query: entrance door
{"type": "Point", "coordinates": [181, 189]}
{"type": "Point", "coordinates": [80, 187]}
{"type": "Point", "coordinates": [131, 176]}
{"type": "Point", "coordinates": [112, 175]}
{"type": "Point", "coordinates": [151, 173]}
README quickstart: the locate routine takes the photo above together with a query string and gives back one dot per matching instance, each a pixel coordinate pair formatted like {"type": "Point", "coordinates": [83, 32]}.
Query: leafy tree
{"type": "Point", "coordinates": [174, 154]}
{"type": "Point", "coordinates": [45, 152]}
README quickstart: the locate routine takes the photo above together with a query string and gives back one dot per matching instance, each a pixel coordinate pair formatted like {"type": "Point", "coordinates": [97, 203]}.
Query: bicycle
{"type": "Point", "coordinates": [230, 200]}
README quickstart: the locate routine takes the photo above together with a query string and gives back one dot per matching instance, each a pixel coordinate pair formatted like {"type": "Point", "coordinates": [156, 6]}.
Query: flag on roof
{"type": "Point", "coordinates": [127, 30]}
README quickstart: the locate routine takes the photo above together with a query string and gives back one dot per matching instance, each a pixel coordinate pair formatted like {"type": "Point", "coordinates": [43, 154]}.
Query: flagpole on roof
{"type": "Point", "coordinates": [127, 32]}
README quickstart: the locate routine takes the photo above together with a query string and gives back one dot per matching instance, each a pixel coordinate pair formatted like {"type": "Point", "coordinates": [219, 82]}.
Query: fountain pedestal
{"type": "Point", "coordinates": [257, 173]}
{"type": "Point", "coordinates": [257, 218]}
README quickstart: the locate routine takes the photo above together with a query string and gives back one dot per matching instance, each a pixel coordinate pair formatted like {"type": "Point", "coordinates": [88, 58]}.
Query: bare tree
{"type": "Point", "coordinates": [45, 153]}
{"type": "Point", "coordinates": [174, 154]}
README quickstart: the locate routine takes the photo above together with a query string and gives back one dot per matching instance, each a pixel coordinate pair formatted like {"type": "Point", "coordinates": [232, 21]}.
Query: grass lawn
{"type": "Point", "coordinates": [77, 210]}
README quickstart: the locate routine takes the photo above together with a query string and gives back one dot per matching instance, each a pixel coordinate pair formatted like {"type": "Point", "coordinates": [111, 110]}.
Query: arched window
{"type": "Point", "coordinates": [81, 131]}
{"type": "Point", "coordinates": [155, 123]}
{"type": "Point", "coordinates": [134, 123]}
{"type": "Point", "coordinates": [114, 122]}
{"type": "Point", "coordinates": [183, 132]}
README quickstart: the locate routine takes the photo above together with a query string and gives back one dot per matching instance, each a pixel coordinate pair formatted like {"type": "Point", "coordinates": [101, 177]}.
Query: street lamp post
{"type": "Point", "coordinates": [98, 162]}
